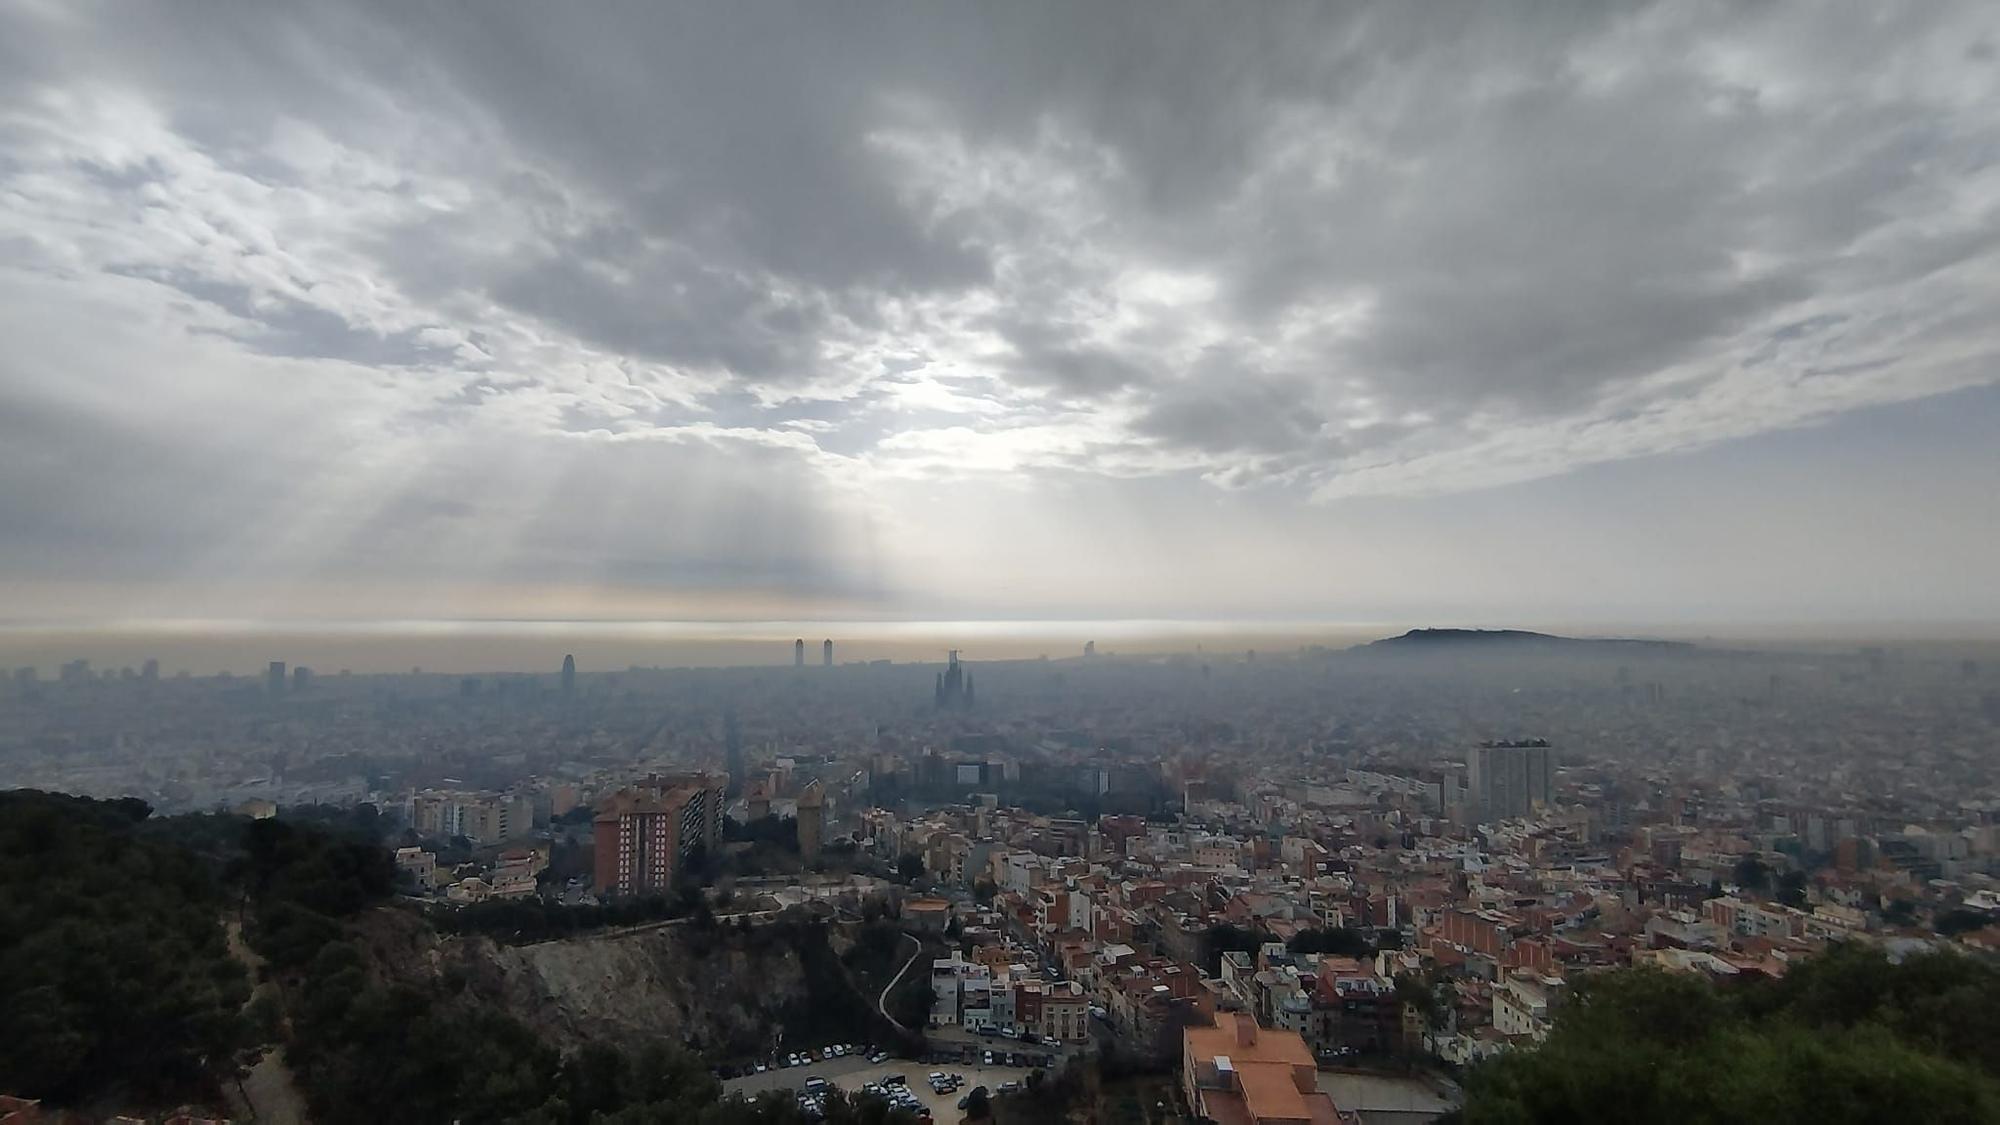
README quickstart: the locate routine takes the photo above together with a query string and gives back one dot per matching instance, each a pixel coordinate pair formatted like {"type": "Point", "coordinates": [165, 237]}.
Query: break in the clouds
{"type": "Point", "coordinates": [756, 299]}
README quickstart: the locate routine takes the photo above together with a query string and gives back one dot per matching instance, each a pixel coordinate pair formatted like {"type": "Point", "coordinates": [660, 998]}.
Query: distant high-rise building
{"type": "Point", "coordinates": [569, 675]}
{"type": "Point", "coordinates": [1090, 648]}
{"type": "Point", "coordinates": [826, 653]}
{"type": "Point", "coordinates": [645, 832]}
{"type": "Point", "coordinates": [799, 653]}
{"type": "Point", "coordinates": [150, 671]}
{"type": "Point", "coordinates": [494, 818]}
{"type": "Point", "coordinates": [953, 685]}
{"type": "Point", "coordinates": [76, 671]}
{"type": "Point", "coordinates": [301, 678]}
{"type": "Point", "coordinates": [812, 819]}
{"type": "Point", "coordinates": [274, 678]}
{"type": "Point", "coordinates": [1506, 780]}
{"type": "Point", "coordinates": [732, 753]}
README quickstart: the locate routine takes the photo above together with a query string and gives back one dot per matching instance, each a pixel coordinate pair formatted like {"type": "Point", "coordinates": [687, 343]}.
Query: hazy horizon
{"type": "Point", "coordinates": [489, 647]}
{"type": "Point", "coordinates": [1541, 316]}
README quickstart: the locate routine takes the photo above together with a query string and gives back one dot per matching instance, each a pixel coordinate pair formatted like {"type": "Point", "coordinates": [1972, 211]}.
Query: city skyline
{"type": "Point", "coordinates": [884, 564]}
{"type": "Point", "coordinates": [1546, 318]}
{"type": "Point", "coordinates": [532, 648]}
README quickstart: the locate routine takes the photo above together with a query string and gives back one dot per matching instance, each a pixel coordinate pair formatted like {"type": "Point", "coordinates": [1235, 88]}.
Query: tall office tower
{"type": "Point", "coordinates": [301, 678]}
{"type": "Point", "coordinates": [732, 753]}
{"type": "Point", "coordinates": [150, 671]}
{"type": "Point", "coordinates": [645, 832]}
{"type": "Point", "coordinates": [951, 684]}
{"type": "Point", "coordinates": [812, 819]}
{"type": "Point", "coordinates": [569, 675]}
{"type": "Point", "coordinates": [1506, 780]}
{"type": "Point", "coordinates": [826, 653]}
{"type": "Point", "coordinates": [274, 678]}
{"type": "Point", "coordinates": [799, 653]}
{"type": "Point", "coordinates": [1090, 648]}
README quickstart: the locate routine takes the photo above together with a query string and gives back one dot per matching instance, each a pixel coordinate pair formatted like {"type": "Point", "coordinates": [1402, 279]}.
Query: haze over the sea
{"type": "Point", "coordinates": [207, 647]}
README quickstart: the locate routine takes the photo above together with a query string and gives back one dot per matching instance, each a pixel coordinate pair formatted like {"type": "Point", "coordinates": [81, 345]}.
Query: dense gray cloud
{"type": "Point", "coordinates": [816, 261]}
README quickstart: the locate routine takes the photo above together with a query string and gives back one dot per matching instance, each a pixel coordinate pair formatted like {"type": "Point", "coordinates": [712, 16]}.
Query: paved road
{"type": "Point", "coordinates": [882, 1001]}
{"type": "Point", "coordinates": [957, 1038]}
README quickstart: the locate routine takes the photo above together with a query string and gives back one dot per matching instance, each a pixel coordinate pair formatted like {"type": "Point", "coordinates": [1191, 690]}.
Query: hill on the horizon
{"type": "Point", "coordinates": [1428, 639]}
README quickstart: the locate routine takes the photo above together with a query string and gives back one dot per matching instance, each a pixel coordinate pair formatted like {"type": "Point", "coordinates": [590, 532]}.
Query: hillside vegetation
{"type": "Point", "coordinates": [120, 990]}
{"type": "Point", "coordinates": [1844, 1037]}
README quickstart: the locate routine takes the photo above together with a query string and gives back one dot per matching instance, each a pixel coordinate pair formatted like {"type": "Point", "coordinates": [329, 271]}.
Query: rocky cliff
{"type": "Point", "coordinates": [726, 996]}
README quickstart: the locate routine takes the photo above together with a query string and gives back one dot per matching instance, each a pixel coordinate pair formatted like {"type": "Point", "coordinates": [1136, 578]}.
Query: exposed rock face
{"type": "Point", "coordinates": [728, 997]}
{"type": "Point", "coordinates": [726, 991]}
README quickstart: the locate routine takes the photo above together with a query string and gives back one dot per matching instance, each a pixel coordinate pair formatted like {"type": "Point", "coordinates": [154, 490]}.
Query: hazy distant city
{"type": "Point", "coordinates": [1397, 853]}
{"type": "Point", "coordinates": [1146, 562]}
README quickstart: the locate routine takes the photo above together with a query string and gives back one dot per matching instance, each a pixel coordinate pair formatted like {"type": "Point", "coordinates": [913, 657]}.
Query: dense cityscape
{"type": "Point", "coordinates": [1398, 858]}
{"type": "Point", "coordinates": [1140, 562]}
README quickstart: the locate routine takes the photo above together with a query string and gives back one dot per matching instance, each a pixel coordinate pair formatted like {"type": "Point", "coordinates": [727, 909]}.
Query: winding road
{"type": "Point", "coordinates": [882, 1001]}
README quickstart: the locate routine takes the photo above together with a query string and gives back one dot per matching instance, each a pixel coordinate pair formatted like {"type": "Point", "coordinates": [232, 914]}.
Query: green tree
{"type": "Point", "coordinates": [1845, 1037]}
{"type": "Point", "coordinates": [1338, 940]}
{"type": "Point", "coordinates": [1227, 938]}
{"type": "Point", "coordinates": [1752, 874]}
{"type": "Point", "coordinates": [113, 967]}
{"type": "Point", "coordinates": [1792, 889]}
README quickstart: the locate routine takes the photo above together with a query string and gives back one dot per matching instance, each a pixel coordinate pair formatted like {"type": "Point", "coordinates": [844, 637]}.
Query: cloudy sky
{"type": "Point", "coordinates": [1520, 314]}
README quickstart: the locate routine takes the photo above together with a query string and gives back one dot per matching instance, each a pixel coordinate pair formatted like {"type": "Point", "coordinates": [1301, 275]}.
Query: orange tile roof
{"type": "Point", "coordinates": [1267, 1046]}
{"type": "Point", "coordinates": [1270, 1091]}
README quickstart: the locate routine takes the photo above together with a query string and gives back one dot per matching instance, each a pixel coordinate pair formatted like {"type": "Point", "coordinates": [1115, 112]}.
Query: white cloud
{"type": "Point", "coordinates": [1330, 254]}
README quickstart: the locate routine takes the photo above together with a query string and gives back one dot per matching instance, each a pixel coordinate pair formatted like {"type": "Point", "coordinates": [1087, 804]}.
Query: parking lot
{"type": "Point", "coordinates": [846, 1075]}
{"type": "Point", "coordinates": [853, 1072]}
